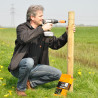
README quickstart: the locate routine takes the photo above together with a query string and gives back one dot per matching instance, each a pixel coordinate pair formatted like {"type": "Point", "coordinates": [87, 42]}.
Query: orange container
{"type": "Point", "coordinates": [64, 84]}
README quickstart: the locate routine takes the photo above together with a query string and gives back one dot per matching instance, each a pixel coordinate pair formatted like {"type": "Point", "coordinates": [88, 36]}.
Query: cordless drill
{"type": "Point", "coordinates": [53, 21]}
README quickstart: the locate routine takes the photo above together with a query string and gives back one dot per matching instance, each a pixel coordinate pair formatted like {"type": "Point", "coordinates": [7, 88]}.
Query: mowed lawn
{"type": "Point", "coordinates": [85, 65]}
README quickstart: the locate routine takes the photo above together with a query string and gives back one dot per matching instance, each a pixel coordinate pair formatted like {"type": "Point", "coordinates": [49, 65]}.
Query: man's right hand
{"type": "Point", "coordinates": [47, 26]}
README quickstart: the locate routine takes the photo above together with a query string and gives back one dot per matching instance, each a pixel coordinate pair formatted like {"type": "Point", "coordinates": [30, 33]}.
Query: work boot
{"type": "Point", "coordinates": [29, 86]}
{"type": "Point", "coordinates": [20, 93]}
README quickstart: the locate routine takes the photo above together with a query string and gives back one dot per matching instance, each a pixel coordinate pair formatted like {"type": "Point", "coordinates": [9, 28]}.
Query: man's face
{"type": "Point", "coordinates": [37, 20]}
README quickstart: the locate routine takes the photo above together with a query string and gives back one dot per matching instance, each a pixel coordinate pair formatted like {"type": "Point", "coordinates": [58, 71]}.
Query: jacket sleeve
{"type": "Point", "coordinates": [56, 43]}
{"type": "Point", "coordinates": [25, 35]}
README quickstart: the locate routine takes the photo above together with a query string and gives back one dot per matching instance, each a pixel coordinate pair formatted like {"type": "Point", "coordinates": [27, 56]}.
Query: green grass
{"type": "Point", "coordinates": [86, 57]}
{"type": "Point", "coordinates": [85, 45]}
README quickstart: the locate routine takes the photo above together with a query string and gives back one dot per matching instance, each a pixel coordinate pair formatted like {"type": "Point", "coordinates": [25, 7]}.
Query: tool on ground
{"type": "Point", "coordinates": [64, 84]}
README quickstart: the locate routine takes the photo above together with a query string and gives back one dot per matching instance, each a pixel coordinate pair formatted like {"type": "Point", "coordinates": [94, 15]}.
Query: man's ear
{"type": "Point", "coordinates": [32, 17]}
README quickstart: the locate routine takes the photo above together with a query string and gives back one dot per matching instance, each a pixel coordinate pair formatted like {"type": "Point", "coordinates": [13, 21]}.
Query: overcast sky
{"type": "Point", "coordinates": [86, 11]}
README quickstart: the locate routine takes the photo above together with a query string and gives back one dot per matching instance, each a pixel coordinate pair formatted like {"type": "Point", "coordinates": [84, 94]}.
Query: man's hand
{"type": "Point", "coordinates": [74, 29]}
{"type": "Point", "coordinates": [47, 27]}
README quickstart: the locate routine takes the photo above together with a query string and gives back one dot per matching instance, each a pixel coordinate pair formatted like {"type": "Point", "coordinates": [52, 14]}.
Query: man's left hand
{"type": "Point", "coordinates": [74, 29]}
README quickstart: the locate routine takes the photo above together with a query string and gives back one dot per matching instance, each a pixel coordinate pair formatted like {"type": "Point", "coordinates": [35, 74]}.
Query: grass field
{"type": "Point", "coordinates": [85, 65]}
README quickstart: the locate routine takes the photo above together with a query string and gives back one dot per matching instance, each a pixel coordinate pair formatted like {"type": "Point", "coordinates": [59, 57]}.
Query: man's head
{"type": "Point", "coordinates": [35, 14]}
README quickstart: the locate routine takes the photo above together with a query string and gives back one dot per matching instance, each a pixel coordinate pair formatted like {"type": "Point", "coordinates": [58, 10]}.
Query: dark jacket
{"type": "Point", "coordinates": [28, 37]}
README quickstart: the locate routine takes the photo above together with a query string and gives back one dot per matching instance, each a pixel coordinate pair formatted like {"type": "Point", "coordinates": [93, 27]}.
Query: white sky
{"type": "Point", "coordinates": [86, 11]}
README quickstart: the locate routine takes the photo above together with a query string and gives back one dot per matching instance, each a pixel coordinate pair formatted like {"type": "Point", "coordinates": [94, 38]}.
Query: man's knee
{"type": "Point", "coordinates": [54, 72]}
{"type": "Point", "coordinates": [27, 62]}
{"type": "Point", "coordinates": [58, 75]}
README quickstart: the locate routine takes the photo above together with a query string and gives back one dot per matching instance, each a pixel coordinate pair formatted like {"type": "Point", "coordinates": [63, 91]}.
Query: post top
{"type": "Point", "coordinates": [71, 12]}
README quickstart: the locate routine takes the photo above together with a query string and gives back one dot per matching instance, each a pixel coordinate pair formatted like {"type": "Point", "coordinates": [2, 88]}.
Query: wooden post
{"type": "Point", "coordinates": [70, 62]}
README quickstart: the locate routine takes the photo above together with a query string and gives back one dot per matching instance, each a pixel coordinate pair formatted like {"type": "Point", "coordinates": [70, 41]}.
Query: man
{"type": "Point", "coordinates": [30, 62]}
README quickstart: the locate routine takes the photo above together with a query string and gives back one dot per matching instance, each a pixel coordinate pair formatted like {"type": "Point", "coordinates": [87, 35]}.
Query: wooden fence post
{"type": "Point", "coordinates": [70, 55]}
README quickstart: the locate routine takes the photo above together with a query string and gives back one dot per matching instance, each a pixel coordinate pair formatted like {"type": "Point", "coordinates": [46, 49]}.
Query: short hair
{"type": "Point", "coordinates": [32, 11]}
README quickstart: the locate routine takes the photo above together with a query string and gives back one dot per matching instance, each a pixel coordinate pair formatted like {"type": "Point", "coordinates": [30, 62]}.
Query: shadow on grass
{"type": "Point", "coordinates": [49, 85]}
{"type": "Point", "coordinates": [10, 82]}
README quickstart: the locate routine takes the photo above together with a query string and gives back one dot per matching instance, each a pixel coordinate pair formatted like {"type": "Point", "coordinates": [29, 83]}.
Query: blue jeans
{"type": "Point", "coordinates": [36, 75]}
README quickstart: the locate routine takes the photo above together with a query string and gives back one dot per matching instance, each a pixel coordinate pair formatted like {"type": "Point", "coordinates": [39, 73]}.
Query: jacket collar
{"type": "Point", "coordinates": [29, 25]}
